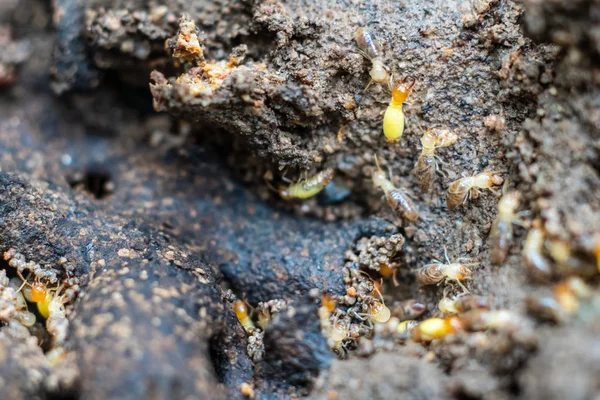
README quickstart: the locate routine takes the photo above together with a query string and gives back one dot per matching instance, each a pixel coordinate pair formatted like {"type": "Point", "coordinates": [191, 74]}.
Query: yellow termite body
{"type": "Point", "coordinates": [309, 187]}
{"type": "Point", "coordinates": [436, 328]}
{"type": "Point", "coordinates": [393, 119]}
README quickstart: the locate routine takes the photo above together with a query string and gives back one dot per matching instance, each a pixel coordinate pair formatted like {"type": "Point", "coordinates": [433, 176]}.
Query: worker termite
{"type": "Point", "coordinates": [399, 202]}
{"type": "Point", "coordinates": [327, 307]}
{"type": "Point", "coordinates": [562, 304]}
{"type": "Point", "coordinates": [462, 303]}
{"type": "Point", "coordinates": [393, 119]}
{"type": "Point", "coordinates": [308, 187]}
{"type": "Point", "coordinates": [243, 315]}
{"type": "Point", "coordinates": [371, 49]}
{"type": "Point", "coordinates": [379, 312]}
{"type": "Point", "coordinates": [339, 330]}
{"type": "Point", "coordinates": [501, 234]}
{"type": "Point", "coordinates": [21, 313]}
{"type": "Point", "coordinates": [426, 165]}
{"type": "Point", "coordinates": [537, 266]}
{"type": "Point", "coordinates": [570, 260]}
{"type": "Point", "coordinates": [462, 189]}
{"type": "Point", "coordinates": [405, 328]}
{"type": "Point", "coordinates": [436, 328]}
{"type": "Point", "coordinates": [437, 272]}
{"type": "Point", "coordinates": [478, 320]}
{"type": "Point", "coordinates": [409, 309]}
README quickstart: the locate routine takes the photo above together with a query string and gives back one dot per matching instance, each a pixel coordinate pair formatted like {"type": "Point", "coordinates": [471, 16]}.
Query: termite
{"type": "Point", "coordinates": [399, 202]}
{"type": "Point", "coordinates": [462, 189]}
{"type": "Point", "coordinates": [436, 328]}
{"type": "Point", "coordinates": [563, 303]}
{"type": "Point", "coordinates": [501, 234]}
{"type": "Point", "coordinates": [536, 264]}
{"type": "Point", "coordinates": [371, 49]}
{"type": "Point", "coordinates": [308, 187]}
{"type": "Point", "coordinates": [393, 119]}
{"type": "Point", "coordinates": [462, 303]}
{"type": "Point", "coordinates": [426, 165]}
{"type": "Point", "coordinates": [479, 320]}
{"type": "Point", "coordinates": [243, 315]}
{"type": "Point", "coordinates": [35, 292]}
{"type": "Point", "coordinates": [409, 309]}
{"type": "Point", "coordinates": [438, 272]}
{"type": "Point", "coordinates": [405, 328]}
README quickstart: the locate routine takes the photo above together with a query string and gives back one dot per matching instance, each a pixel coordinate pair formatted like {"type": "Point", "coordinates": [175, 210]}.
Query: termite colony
{"type": "Point", "coordinates": [34, 296]}
{"type": "Point", "coordinates": [255, 321]}
{"type": "Point", "coordinates": [362, 311]}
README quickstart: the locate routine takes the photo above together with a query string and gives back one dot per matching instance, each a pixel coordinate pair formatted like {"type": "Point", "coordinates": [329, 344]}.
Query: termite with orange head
{"type": "Point", "coordinates": [462, 189]}
{"type": "Point", "coordinates": [436, 328]}
{"type": "Point", "coordinates": [393, 119]}
{"type": "Point", "coordinates": [371, 49]}
{"type": "Point", "coordinates": [426, 165]}
{"type": "Point", "coordinates": [309, 187]}
{"type": "Point", "coordinates": [241, 311]}
{"type": "Point", "coordinates": [399, 202]}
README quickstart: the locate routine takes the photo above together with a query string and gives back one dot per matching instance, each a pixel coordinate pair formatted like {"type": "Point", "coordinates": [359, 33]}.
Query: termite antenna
{"type": "Point", "coordinates": [375, 289]}
{"type": "Point", "coordinates": [446, 255]}
{"type": "Point", "coordinates": [24, 281]}
{"type": "Point", "coordinates": [377, 162]}
{"type": "Point", "coordinates": [271, 187]}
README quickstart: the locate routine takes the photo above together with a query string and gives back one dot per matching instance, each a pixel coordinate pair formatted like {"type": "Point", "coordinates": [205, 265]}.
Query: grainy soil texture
{"type": "Point", "coordinates": [209, 199]}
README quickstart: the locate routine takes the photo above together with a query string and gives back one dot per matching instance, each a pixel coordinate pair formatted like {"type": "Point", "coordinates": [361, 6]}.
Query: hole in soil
{"type": "Point", "coordinates": [38, 329]}
{"type": "Point", "coordinates": [97, 183]}
{"type": "Point", "coordinates": [216, 356]}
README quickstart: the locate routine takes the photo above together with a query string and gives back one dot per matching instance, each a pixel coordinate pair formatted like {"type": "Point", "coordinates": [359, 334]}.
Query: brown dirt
{"type": "Point", "coordinates": [95, 176]}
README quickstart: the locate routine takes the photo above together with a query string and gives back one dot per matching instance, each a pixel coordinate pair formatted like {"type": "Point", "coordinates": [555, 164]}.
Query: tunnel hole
{"type": "Point", "coordinates": [38, 329]}
{"type": "Point", "coordinates": [97, 183]}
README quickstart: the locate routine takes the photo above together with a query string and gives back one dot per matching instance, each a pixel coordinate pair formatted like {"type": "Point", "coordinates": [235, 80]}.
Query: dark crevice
{"type": "Point", "coordinates": [97, 183]}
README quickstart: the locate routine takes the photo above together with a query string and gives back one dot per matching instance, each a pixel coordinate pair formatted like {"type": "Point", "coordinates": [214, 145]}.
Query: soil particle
{"type": "Point", "coordinates": [390, 375]}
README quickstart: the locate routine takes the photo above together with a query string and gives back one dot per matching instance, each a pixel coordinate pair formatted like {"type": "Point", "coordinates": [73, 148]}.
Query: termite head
{"type": "Point", "coordinates": [438, 138]}
{"type": "Point", "coordinates": [379, 312]}
{"type": "Point", "coordinates": [378, 71]}
{"type": "Point", "coordinates": [241, 309]}
{"type": "Point", "coordinates": [446, 306]}
{"type": "Point", "coordinates": [379, 177]}
{"type": "Point", "coordinates": [284, 193]}
{"type": "Point", "coordinates": [328, 302]}
{"type": "Point", "coordinates": [446, 137]}
{"type": "Point", "coordinates": [38, 292]}
{"type": "Point", "coordinates": [488, 179]}
{"type": "Point", "coordinates": [401, 91]}
{"type": "Point", "coordinates": [509, 203]}
{"type": "Point", "coordinates": [458, 272]}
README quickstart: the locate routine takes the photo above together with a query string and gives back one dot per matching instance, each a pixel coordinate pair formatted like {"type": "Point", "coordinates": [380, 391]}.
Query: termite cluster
{"type": "Point", "coordinates": [255, 320]}
{"type": "Point", "coordinates": [37, 293]}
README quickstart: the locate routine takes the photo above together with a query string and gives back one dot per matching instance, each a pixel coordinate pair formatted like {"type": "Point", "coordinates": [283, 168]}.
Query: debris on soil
{"type": "Point", "coordinates": [149, 228]}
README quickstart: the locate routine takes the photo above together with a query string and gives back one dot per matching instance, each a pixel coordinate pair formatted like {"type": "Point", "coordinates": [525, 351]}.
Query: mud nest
{"type": "Point", "coordinates": [197, 199]}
